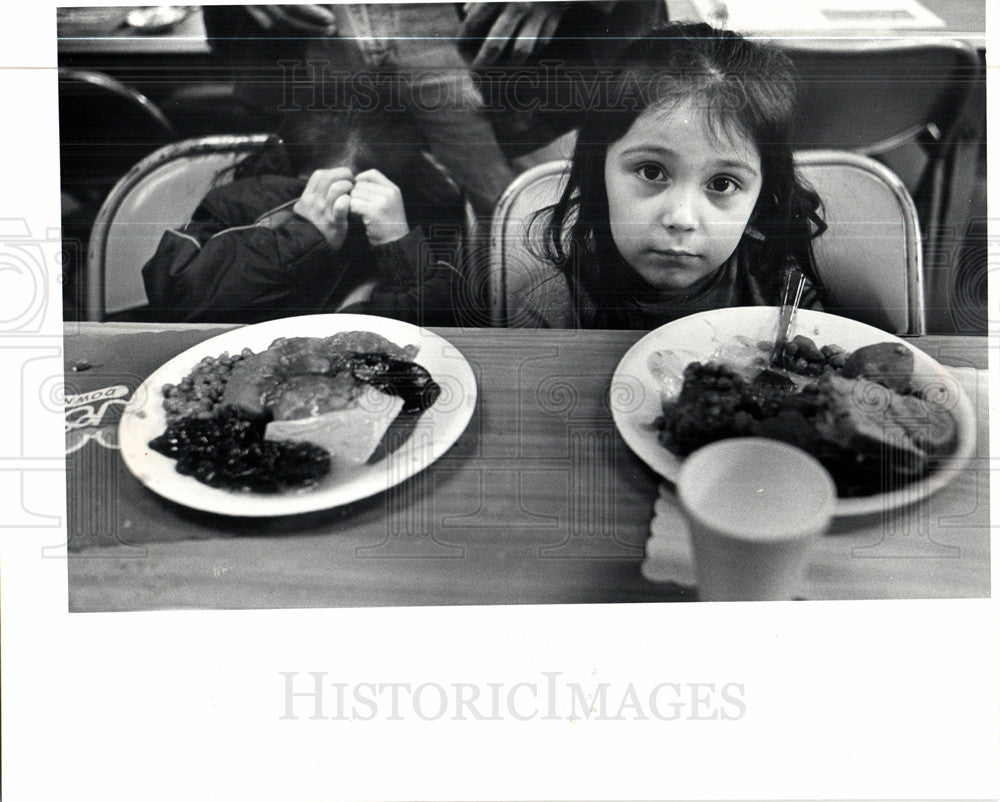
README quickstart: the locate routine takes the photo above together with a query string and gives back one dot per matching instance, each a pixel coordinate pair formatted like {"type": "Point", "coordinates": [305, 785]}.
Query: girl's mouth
{"type": "Point", "coordinates": [674, 255]}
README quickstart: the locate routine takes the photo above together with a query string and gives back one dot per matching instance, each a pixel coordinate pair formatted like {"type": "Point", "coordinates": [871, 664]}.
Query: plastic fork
{"type": "Point", "coordinates": [791, 297]}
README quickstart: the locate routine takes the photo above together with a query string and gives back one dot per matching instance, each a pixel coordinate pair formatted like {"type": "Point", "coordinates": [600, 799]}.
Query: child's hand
{"type": "Point", "coordinates": [325, 203]}
{"type": "Point", "coordinates": [379, 204]}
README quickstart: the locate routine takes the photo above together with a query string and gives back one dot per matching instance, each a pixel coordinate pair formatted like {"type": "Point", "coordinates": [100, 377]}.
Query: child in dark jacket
{"type": "Point", "coordinates": [318, 223]}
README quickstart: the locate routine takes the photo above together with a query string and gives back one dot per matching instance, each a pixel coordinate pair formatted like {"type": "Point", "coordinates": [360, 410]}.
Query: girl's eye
{"type": "Point", "coordinates": [724, 185]}
{"type": "Point", "coordinates": [652, 172]}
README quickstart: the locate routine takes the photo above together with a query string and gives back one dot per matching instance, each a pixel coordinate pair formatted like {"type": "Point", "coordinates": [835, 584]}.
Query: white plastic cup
{"type": "Point", "coordinates": [755, 508]}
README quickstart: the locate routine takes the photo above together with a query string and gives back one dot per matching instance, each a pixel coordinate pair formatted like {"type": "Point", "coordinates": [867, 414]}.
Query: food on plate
{"type": "Point", "coordinates": [286, 416]}
{"type": "Point", "coordinates": [801, 355]}
{"type": "Point", "coordinates": [229, 450]}
{"type": "Point", "coordinates": [411, 382]}
{"type": "Point", "coordinates": [257, 382]}
{"type": "Point", "coordinates": [859, 413]}
{"type": "Point", "coordinates": [197, 394]}
{"type": "Point", "coordinates": [349, 434]}
{"type": "Point", "coordinates": [890, 364]}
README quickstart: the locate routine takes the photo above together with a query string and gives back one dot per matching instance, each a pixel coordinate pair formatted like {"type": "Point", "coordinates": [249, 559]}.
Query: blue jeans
{"type": "Point", "coordinates": [414, 45]}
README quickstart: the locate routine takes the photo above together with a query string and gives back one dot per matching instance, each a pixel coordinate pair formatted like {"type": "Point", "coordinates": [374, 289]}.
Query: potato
{"type": "Point", "coordinates": [887, 363]}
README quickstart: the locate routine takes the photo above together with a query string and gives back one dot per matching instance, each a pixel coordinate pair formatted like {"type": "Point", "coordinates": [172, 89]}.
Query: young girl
{"type": "Point", "coordinates": [319, 222]}
{"type": "Point", "coordinates": [682, 195]}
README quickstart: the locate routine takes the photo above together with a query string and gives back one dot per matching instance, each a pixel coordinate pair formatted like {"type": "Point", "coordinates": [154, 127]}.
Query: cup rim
{"type": "Point", "coordinates": [824, 512]}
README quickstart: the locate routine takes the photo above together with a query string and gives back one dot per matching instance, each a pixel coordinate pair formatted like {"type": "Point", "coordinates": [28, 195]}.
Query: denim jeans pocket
{"type": "Point", "coordinates": [372, 27]}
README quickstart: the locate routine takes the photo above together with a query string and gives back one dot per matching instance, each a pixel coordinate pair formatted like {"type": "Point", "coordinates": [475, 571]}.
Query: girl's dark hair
{"type": "Point", "coordinates": [745, 88]}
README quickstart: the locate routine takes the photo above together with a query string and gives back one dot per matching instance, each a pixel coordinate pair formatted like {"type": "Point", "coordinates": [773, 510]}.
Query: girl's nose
{"type": "Point", "coordinates": [679, 208]}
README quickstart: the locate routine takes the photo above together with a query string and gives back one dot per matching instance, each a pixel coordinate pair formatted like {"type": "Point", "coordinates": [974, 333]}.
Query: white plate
{"type": "Point", "coordinates": [156, 19]}
{"type": "Point", "coordinates": [434, 433]}
{"type": "Point", "coordinates": [636, 397]}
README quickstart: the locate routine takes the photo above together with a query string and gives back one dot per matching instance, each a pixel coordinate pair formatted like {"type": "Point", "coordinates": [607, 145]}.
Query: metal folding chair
{"type": "Point", "coordinates": [869, 258]}
{"type": "Point", "coordinates": [160, 192]}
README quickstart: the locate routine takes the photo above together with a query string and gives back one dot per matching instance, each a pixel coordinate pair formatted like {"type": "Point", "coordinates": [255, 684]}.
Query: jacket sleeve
{"type": "Point", "coordinates": [413, 285]}
{"type": "Point", "coordinates": [213, 270]}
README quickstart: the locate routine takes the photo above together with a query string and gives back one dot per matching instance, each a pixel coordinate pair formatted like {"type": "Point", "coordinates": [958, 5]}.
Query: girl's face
{"type": "Point", "coordinates": [679, 195]}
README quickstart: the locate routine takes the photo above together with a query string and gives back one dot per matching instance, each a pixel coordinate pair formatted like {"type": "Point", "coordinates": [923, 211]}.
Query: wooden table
{"type": "Point", "coordinates": [539, 501]}
{"type": "Point", "coordinates": [159, 65]}
{"type": "Point", "coordinates": [103, 30]}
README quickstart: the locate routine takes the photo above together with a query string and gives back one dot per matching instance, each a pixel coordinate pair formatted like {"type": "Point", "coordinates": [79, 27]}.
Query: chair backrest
{"type": "Point", "coordinates": [158, 193]}
{"type": "Point", "coordinates": [512, 267]}
{"type": "Point", "coordinates": [869, 257]}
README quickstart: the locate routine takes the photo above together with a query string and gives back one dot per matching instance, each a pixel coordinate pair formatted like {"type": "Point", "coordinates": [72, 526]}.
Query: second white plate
{"type": "Point", "coordinates": [636, 398]}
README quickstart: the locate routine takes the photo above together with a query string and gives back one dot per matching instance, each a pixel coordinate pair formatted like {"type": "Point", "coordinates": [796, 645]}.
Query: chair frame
{"type": "Point", "coordinates": [497, 280]}
{"type": "Point", "coordinates": [916, 308]}
{"type": "Point", "coordinates": [115, 87]}
{"type": "Point", "coordinates": [94, 307]}
{"type": "Point", "coordinates": [916, 311]}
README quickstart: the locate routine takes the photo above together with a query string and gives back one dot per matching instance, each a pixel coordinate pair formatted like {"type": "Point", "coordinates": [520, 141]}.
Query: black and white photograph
{"type": "Point", "coordinates": [547, 335]}
{"type": "Point", "coordinates": [400, 381]}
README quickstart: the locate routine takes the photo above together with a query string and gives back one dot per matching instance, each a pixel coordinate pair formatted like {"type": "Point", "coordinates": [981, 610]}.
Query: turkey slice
{"type": "Point", "coordinates": [351, 434]}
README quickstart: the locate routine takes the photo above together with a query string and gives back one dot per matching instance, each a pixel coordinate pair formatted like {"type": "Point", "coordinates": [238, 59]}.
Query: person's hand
{"type": "Point", "coordinates": [310, 19]}
{"type": "Point", "coordinates": [379, 204]}
{"type": "Point", "coordinates": [525, 27]}
{"type": "Point", "coordinates": [326, 203]}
